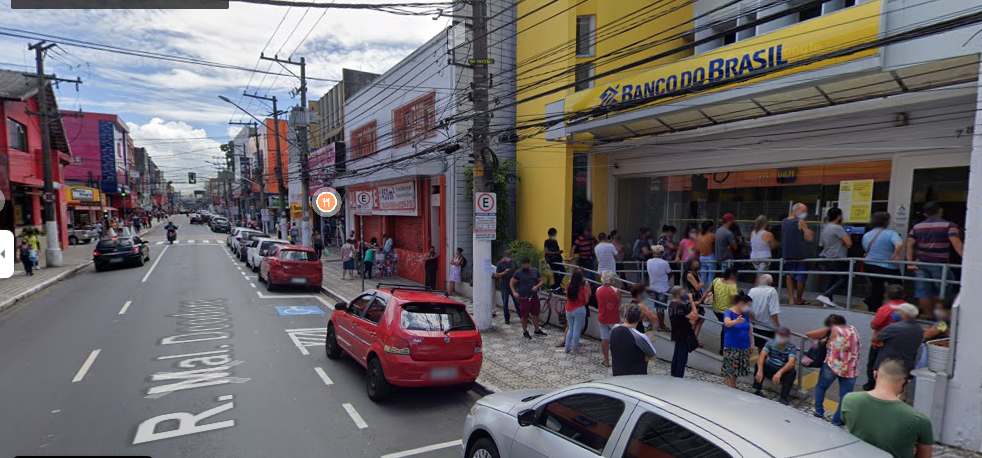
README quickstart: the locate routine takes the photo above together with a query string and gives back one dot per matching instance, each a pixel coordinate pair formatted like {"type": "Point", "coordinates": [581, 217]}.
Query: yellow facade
{"type": "Point", "coordinates": [546, 61]}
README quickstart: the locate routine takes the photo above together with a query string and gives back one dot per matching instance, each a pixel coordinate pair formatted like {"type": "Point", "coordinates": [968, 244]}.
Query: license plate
{"type": "Point", "coordinates": [444, 373]}
{"type": "Point", "coordinates": [298, 281]}
{"type": "Point", "coordinates": [115, 260]}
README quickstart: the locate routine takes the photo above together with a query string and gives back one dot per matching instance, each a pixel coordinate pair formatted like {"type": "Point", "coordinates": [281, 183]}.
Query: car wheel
{"type": "Point", "coordinates": [140, 262]}
{"type": "Point", "coordinates": [378, 387]}
{"type": "Point", "coordinates": [99, 268]}
{"type": "Point", "coordinates": [269, 285]}
{"type": "Point", "coordinates": [255, 268]}
{"type": "Point", "coordinates": [73, 240]}
{"type": "Point", "coordinates": [483, 448]}
{"type": "Point", "coordinates": [331, 344]}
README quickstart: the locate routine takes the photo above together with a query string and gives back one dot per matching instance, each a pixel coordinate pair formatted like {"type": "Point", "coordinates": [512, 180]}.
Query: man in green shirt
{"type": "Point", "coordinates": [880, 418]}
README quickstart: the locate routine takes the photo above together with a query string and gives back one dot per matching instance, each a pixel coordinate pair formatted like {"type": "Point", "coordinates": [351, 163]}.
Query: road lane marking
{"type": "Point", "coordinates": [320, 372]}
{"type": "Point", "coordinates": [421, 450]}
{"type": "Point", "coordinates": [296, 296]}
{"type": "Point", "coordinates": [359, 422]}
{"type": "Point", "coordinates": [85, 366]}
{"type": "Point", "coordinates": [309, 337]}
{"type": "Point", "coordinates": [252, 284]}
{"type": "Point", "coordinates": [160, 243]}
{"type": "Point", "coordinates": [190, 241]}
{"type": "Point", "coordinates": [206, 241]}
{"type": "Point", "coordinates": [154, 266]}
{"type": "Point", "coordinates": [125, 306]}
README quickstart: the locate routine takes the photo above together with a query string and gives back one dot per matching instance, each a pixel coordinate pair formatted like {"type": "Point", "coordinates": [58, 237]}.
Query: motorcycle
{"type": "Point", "coordinates": [171, 236]}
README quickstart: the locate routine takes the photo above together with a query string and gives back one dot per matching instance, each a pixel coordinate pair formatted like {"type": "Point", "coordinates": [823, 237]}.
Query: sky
{"type": "Point", "coordinates": [173, 109]}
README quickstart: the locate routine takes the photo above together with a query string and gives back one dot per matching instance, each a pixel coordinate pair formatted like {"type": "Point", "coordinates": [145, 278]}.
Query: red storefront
{"type": "Point", "coordinates": [21, 161]}
{"type": "Point", "coordinates": [402, 209]}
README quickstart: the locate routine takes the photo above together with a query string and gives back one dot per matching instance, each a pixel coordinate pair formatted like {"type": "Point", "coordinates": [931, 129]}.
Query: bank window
{"type": "Point", "coordinates": [656, 437]}
{"type": "Point", "coordinates": [585, 26]}
{"type": "Point", "coordinates": [16, 135]}
{"type": "Point", "coordinates": [586, 419]}
{"type": "Point", "coordinates": [583, 74]}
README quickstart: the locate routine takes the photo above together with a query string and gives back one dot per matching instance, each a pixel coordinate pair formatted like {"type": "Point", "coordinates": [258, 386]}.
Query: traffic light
{"type": "Point", "coordinates": [192, 178]}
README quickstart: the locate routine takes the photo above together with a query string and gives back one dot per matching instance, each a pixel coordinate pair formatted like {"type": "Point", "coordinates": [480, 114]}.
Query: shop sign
{"type": "Point", "coordinates": [296, 212]}
{"type": "Point", "coordinates": [107, 153]}
{"type": "Point", "coordinates": [396, 199]}
{"type": "Point", "coordinates": [790, 45]}
{"type": "Point", "coordinates": [485, 216]}
{"type": "Point", "coordinates": [82, 194]}
{"type": "Point", "coordinates": [856, 200]}
{"type": "Point", "coordinates": [786, 176]}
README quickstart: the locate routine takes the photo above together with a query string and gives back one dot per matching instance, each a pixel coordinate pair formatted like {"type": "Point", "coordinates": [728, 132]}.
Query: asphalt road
{"type": "Point", "coordinates": [79, 360]}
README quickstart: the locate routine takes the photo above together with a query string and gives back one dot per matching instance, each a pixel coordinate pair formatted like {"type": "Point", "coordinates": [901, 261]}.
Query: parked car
{"type": "Point", "coordinates": [220, 224]}
{"type": "Point", "coordinates": [259, 250]}
{"type": "Point", "coordinates": [406, 338]}
{"type": "Point", "coordinates": [81, 235]}
{"type": "Point", "coordinates": [118, 251]}
{"type": "Point", "coordinates": [232, 241]}
{"type": "Point", "coordinates": [246, 242]}
{"type": "Point", "coordinates": [649, 417]}
{"type": "Point", "coordinates": [291, 265]}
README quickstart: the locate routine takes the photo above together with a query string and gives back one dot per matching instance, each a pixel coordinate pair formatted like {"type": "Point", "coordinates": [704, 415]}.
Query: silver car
{"type": "Point", "coordinates": [649, 417]}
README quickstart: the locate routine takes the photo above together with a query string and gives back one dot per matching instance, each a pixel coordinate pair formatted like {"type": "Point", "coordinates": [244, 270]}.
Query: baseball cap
{"type": "Point", "coordinates": [729, 217]}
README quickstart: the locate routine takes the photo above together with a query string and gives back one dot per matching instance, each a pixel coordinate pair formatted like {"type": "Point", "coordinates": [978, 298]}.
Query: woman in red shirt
{"type": "Point", "coordinates": [608, 306]}
{"type": "Point", "coordinates": [577, 296]}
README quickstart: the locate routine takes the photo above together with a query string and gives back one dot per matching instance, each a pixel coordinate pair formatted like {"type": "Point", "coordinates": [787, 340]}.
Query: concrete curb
{"type": "Point", "coordinates": [45, 284]}
{"type": "Point", "coordinates": [480, 387]}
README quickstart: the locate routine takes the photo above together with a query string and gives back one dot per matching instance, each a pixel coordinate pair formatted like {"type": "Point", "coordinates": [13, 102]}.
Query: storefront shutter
{"type": "Point", "coordinates": [409, 233]}
{"type": "Point", "coordinates": [373, 228]}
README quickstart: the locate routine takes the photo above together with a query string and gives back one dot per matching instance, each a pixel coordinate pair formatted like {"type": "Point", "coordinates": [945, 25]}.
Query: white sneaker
{"type": "Point", "coordinates": [826, 301]}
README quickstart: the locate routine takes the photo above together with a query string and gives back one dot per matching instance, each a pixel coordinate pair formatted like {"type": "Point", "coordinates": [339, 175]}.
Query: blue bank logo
{"type": "Point", "coordinates": [609, 96]}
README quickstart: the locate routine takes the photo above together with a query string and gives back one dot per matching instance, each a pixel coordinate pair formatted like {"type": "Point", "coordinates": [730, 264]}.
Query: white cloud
{"type": "Point", "coordinates": [177, 148]}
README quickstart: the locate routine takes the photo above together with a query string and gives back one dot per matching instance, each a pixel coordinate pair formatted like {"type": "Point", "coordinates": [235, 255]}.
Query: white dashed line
{"type": "Point", "coordinates": [160, 243]}
{"type": "Point", "coordinates": [359, 422]}
{"type": "Point", "coordinates": [190, 241]}
{"type": "Point", "coordinates": [323, 375]}
{"type": "Point", "coordinates": [154, 266]}
{"type": "Point", "coordinates": [125, 306]}
{"type": "Point", "coordinates": [252, 284]}
{"type": "Point", "coordinates": [206, 241]}
{"type": "Point", "coordinates": [88, 363]}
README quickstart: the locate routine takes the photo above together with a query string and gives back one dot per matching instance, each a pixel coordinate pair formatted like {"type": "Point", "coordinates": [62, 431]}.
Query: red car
{"type": "Point", "coordinates": [292, 265]}
{"type": "Point", "coordinates": [406, 338]}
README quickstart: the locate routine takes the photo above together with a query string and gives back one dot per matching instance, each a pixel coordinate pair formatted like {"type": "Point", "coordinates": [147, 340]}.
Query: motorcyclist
{"type": "Point", "coordinates": [170, 226]}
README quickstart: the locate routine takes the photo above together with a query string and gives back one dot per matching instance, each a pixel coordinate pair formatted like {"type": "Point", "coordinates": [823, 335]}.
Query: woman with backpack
{"type": "Point", "coordinates": [456, 266]}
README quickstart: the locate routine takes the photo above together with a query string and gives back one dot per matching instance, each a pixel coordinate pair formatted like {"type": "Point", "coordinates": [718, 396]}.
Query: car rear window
{"type": "Point", "coordinates": [266, 246]}
{"type": "Point", "coordinates": [113, 244]}
{"type": "Point", "coordinates": [297, 255]}
{"type": "Point", "coordinates": [435, 317]}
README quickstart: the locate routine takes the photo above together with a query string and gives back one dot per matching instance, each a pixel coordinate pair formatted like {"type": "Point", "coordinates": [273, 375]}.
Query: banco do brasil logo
{"type": "Point", "coordinates": [609, 96]}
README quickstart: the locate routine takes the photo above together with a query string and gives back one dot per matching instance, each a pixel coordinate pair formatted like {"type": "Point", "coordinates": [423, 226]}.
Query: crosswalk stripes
{"type": "Point", "coordinates": [190, 241]}
{"type": "Point", "coordinates": [206, 241]}
{"type": "Point", "coordinates": [159, 243]}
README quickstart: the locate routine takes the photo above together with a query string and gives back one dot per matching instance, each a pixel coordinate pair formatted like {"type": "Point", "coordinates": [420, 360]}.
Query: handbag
{"type": "Point", "coordinates": [815, 356]}
{"type": "Point", "coordinates": [708, 298]}
{"type": "Point", "coordinates": [861, 266]}
{"type": "Point", "coordinates": [692, 342]}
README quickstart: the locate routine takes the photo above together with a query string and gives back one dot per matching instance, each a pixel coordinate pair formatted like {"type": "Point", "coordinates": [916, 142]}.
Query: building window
{"type": "Point", "coordinates": [415, 121]}
{"type": "Point", "coordinates": [810, 13]}
{"type": "Point", "coordinates": [363, 140]}
{"type": "Point", "coordinates": [585, 30]}
{"type": "Point", "coordinates": [729, 38]}
{"type": "Point", "coordinates": [583, 74]}
{"type": "Point", "coordinates": [16, 135]}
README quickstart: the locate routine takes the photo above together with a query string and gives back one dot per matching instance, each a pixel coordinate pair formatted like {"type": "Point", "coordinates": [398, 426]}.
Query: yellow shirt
{"type": "Point", "coordinates": [723, 294]}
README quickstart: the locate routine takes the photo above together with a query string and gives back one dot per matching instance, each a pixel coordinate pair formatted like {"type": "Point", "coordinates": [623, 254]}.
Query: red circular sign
{"type": "Point", "coordinates": [485, 202]}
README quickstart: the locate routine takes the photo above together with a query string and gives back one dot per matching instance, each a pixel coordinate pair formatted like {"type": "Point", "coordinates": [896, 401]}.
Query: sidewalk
{"type": "Point", "coordinates": [512, 362]}
{"type": "Point", "coordinates": [20, 286]}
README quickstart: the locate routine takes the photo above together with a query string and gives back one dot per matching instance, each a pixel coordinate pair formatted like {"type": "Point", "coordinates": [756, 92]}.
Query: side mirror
{"type": "Point", "coordinates": [341, 307]}
{"type": "Point", "coordinates": [526, 417]}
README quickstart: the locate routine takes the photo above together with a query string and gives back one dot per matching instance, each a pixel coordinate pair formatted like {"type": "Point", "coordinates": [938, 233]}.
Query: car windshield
{"type": "Point", "coordinates": [114, 243]}
{"type": "Point", "coordinates": [297, 255]}
{"type": "Point", "coordinates": [435, 317]}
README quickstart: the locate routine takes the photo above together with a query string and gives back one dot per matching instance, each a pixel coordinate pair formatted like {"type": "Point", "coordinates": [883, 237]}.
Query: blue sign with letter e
{"type": "Point", "coordinates": [299, 310]}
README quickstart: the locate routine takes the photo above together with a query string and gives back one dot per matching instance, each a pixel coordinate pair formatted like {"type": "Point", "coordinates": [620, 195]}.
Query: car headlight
{"type": "Point", "coordinates": [473, 410]}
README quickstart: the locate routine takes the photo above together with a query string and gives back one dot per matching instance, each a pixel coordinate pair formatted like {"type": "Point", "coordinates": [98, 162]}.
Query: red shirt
{"type": "Point", "coordinates": [573, 303]}
{"type": "Point", "coordinates": [609, 304]}
{"type": "Point", "coordinates": [883, 318]}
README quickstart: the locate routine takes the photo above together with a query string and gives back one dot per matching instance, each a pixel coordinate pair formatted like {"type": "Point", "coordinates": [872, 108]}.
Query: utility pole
{"type": "Point", "coordinates": [53, 255]}
{"type": "Point", "coordinates": [304, 147]}
{"type": "Point", "coordinates": [483, 284]}
{"type": "Point", "coordinates": [279, 162]}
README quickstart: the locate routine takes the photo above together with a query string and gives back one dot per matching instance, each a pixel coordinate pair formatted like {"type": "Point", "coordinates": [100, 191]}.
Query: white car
{"type": "Point", "coordinates": [258, 252]}
{"type": "Point", "coordinates": [649, 417]}
{"type": "Point", "coordinates": [235, 235]}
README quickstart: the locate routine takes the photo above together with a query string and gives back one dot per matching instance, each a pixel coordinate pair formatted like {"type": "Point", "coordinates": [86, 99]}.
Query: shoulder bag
{"type": "Point", "coordinates": [815, 356]}
{"type": "Point", "coordinates": [861, 266]}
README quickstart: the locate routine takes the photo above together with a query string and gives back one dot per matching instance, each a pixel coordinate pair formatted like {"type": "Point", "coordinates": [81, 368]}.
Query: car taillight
{"type": "Point", "coordinates": [136, 249]}
{"type": "Point", "coordinates": [396, 346]}
{"type": "Point", "coordinates": [478, 348]}
{"type": "Point", "coordinates": [96, 253]}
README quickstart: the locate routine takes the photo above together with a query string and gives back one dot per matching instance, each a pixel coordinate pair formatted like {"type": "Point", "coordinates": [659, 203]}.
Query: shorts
{"type": "Point", "coordinates": [349, 264]}
{"type": "Point", "coordinates": [926, 289]}
{"type": "Point", "coordinates": [605, 330]}
{"type": "Point", "coordinates": [529, 306]}
{"type": "Point", "coordinates": [796, 266]}
{"type": "Point", "coordinates": [659, 300]}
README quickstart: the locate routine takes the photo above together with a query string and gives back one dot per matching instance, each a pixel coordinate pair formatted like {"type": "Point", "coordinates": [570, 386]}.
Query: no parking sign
{"type": "Point", "coordinates": [485, 216]}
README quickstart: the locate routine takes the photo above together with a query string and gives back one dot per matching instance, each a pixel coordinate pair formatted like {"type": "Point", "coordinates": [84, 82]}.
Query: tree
{"type": "Point", "coordinates": [229, 150]}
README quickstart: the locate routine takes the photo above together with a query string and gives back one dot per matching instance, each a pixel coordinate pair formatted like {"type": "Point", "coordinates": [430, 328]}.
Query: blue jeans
{"type": "Point", "coordinates": [575, 320]}
{"type": "Point", "coordinates": [825, 379]}
{"type": "Point", "coordinates": [505, 296]}
{"type": "Point", "coordinates": [679, 359]}
{"type": "Point", "coordinates": [707, 263]}
{"type": "Point", "coordinates": [926, 289]}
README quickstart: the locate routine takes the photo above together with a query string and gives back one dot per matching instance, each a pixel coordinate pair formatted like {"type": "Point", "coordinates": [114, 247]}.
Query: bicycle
{"type": "Point", "coordinates": [556, 304]}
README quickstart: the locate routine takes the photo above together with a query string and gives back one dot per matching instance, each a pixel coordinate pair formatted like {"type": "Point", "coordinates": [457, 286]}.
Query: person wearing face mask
{"type": "Point", "coordinates": [554, 256]}
{"type": "Point", "coordinates": [687, 246]}
{"type": "Point", "coordinates": [902, 339]}
{"type": "Point", "coordinates": [430, 264]}
{"type": "Point", "coordinates": [941, 329]}
{"type": "Point", "coordinates": [737, 339]}
{"type": "Point", "coordinates": [841, 362]}
{"type": "Point", "coordinates": [504, 271]}
{"type": "Point", "coordinates": [525, 286]}
{"type": "Point", "coordinates": [776, 362]}
{"type": "Point", "coordinates": [795, 236]}
{"type": "Point", "coordinates": [883, 318]}
{"type": "Point", "coordinates": [761, 243]}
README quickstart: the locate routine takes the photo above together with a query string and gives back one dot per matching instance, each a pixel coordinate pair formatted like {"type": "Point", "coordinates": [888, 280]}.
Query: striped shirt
{"type": "Point", "coordinates": [583, 246]}
{"type": "Point", "coordinates": [932, 239]}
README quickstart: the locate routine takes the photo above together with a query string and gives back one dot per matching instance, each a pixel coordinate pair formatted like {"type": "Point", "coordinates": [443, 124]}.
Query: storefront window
{"type": "Point", "coordinates": [23, 211]}
{"type": "Point", "coordinates": [682, 200]}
